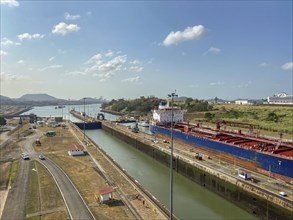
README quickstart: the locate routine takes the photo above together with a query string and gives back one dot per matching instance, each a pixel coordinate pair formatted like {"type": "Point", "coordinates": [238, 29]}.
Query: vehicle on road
{"type": "Point", "coordinates": [42, 157]}
{"type": "Point", "coordinates": [283, 194]}
{"type": "Point", "coordinates": [25, 156]}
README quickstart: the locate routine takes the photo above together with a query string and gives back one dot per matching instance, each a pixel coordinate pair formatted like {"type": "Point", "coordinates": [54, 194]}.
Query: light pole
{"type": "Point", "coordinates": [84, 119]}
{"type": "Point", "coordinates": [172, 95]}
{"type": "Point", "coordinates": [68, 110]}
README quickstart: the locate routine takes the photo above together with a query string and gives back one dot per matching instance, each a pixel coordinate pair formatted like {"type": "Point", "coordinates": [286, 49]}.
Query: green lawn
{"type": "Point", "coordinates": [269, 118]}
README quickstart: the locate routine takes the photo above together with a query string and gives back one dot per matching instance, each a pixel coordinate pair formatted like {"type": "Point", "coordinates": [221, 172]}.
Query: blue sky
{"type": "Point", "coordinates": [128, 49]}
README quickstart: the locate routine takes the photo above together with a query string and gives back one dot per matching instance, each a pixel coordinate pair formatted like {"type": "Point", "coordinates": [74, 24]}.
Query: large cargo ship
{"type": "Point", "coordinates": [272, 155]}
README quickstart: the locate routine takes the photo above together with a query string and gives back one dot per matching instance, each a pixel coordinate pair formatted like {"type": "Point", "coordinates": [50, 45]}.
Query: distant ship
{"type": "Point", "coordinates": [268, 154]}
{"type": "Point", "coordinates": [143, 124]}
{"type": "Point", "coordinates": [60, 106]}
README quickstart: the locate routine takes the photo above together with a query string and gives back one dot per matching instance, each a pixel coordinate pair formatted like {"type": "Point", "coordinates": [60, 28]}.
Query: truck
{"type": "Point", "coordinates": [244, 174]}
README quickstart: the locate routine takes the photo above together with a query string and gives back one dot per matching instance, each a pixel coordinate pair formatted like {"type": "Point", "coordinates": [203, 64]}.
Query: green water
{"type": "Point", "coordinates": [191, 201]}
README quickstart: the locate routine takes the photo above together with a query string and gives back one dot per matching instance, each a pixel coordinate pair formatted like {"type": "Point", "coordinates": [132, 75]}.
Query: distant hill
{"type": "Point", "coordinates": [92, 100]}
{"type": "Point", "coordinates": [42, 99]}
{"type": "Point", "coordinates": [37, 97]}
{"type": "Point", "coordinates": [6, 100]}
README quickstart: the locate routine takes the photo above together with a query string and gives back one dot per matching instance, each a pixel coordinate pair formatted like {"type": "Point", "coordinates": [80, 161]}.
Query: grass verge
{"type": "Point", "coordinates": [44, 196]}
{"type": "Point", "coordinates": [33, 204]}
{"type": "Point", "coordinates": [13, 171]}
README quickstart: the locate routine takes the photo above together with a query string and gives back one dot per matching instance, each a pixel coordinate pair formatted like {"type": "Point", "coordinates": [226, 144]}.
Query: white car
{"type": "Point", "coordinates": [25, 156]}
{"type": "Point", "coordinates": [282, 194]}
{"type": "Point", "coordinates": [41, 157]}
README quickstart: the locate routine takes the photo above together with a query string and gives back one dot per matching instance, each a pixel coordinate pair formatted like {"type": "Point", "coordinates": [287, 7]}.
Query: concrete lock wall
{"type": "Point", "coordinates": [247, 196]}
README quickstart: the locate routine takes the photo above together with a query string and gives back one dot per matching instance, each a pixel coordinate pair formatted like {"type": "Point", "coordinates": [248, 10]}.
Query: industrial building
{"type": "Point", "coordinates": [281, 99]}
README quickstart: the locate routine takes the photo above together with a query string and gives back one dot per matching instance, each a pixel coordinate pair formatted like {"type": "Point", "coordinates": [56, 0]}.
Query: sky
{"type": "Point", "coordinates": [127, 49]}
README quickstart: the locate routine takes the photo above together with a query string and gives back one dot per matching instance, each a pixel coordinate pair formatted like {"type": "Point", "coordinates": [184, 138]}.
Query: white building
{"type": "Point", "coordinates": [105, 194]}
{"type": "Point", "coordinates": [242, 102]}
{"type": "Point", "coordinates": [164, 114]}
{"type": "Point", "coordinates": [281, 99]}
{"type": "Point", "coordinates": [75, 150]}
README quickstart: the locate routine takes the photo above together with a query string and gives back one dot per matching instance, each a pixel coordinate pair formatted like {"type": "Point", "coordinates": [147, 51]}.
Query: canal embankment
{"type": "Point", "coordinates": [135, 197]}
{"type": "Point", "coordinates": [246, 194]}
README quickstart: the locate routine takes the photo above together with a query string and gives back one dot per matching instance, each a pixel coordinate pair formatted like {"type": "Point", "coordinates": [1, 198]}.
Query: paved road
{"type": "Point", "coordinates": [16, 201]}
{"type": "Point", "coordinates": [73, 200]}
{"type": "Point", "coordinates": [15, 204]}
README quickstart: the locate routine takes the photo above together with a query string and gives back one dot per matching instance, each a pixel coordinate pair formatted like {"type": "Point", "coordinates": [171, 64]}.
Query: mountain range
{"type": "Point", "coordinates": [45, 99]}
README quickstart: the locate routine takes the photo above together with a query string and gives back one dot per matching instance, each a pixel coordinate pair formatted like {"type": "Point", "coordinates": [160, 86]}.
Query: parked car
{"type": "Point", "coordinates": [41, 157]}
{"type": "Point", "coordinates": [282, 194]}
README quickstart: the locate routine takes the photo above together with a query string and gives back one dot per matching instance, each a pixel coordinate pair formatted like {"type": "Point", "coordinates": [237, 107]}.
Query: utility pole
{"type": "Point", "coordinates": [172, 95]}
{"type": "Point", "coordinates": [84, 119]}
{"type": "Point", "coordinates": [68, 110]}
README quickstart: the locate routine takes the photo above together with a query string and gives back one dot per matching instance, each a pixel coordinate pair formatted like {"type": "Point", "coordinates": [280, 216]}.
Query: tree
{"type": "Point", "coordinates": [2, 121]}
{"type": "Point", "coordinates": [209, 116]}
{"type": "Point", "coordinates": [272, 116]}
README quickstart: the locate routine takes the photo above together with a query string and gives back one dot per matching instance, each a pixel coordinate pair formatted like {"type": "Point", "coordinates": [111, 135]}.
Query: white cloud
{"type": "Point", "coordinates": [68, 16]}
{"type": "Point", "coordinates": [193, 86]}
{"type": "Point", "coordinates": [132, 79]}
{"type": "Point", "coordinates": [135, 62]}
{"type": "Point", "coordinates": [264, 64]}
{"type": "Point", "coordinates": [51, 67]}
{"type": "Point", "coordinates": [245, 85]}
{"type": "Point", "coordinates": [287, 66]}
{"type": "Point", "coordinates": [10, 3]}
{"type": "Point", "coordinates": [51, 59]}
{"type": "Point", "coordinates": [216, 83]}
{"type": "Point", "coordinates": [3, 53]}
{"type": "Point", "coordinates": [109, 53]}
{"type": "Point", "coordinates": [108, 64]}
{"type": "Point", "coordinates": [75, 73]}
{"type": "Point", "coordinates": [30, 36]}
{"type": "Point", "coordinates": [7, 42]}
{"type": "Point", "coordinates": [213, 50]}
{"type": "Point", "coordinates": [136, 69]}
{"type": "Point", "coordinates": [20, 61]}
{"type": "Point", "coordinates": [190, 33]}
{"type": "Point", "coordinates": [113, 65]}
{"type": "Point", "coordinates": [63, 28]}
{"type": "Point", "coordinates": [11, 77]}
{"type": "Point", "coordinates": [19, 83]}
{"type": "Point", "coordinates": [95, 59]}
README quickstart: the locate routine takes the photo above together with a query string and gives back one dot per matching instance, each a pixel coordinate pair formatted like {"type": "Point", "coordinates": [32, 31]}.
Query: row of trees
{"type": "Point", "coordinates": [140, 105]}
{"type": "Point", "coordinates": [195, 105]}
{"type": "Point", "coordinates": [144, 105]}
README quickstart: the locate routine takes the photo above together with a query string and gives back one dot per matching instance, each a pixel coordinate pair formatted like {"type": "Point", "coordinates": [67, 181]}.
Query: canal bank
{"type": "Point", "coordinates": [247, 195]}
{"type": "Point", "coordinates": [138, 200]}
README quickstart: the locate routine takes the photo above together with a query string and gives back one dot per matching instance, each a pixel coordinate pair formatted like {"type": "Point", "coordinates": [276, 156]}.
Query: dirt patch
{"type": "Point", "coordinates": [10, 152]}
{"type": "Point", "coordinates": [4, 177]}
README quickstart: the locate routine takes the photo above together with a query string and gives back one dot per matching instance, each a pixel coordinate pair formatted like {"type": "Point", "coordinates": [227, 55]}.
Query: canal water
{"type": "Point", "coordinates": [191, 201]}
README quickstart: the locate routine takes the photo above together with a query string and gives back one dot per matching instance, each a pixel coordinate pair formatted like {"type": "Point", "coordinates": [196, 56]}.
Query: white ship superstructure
{"type": "Point", "coordinates": [163, 115]}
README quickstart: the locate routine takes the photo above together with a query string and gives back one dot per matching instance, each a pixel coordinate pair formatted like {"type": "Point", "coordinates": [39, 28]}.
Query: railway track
{"type": "Point", "coordinates": [160, 207]}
